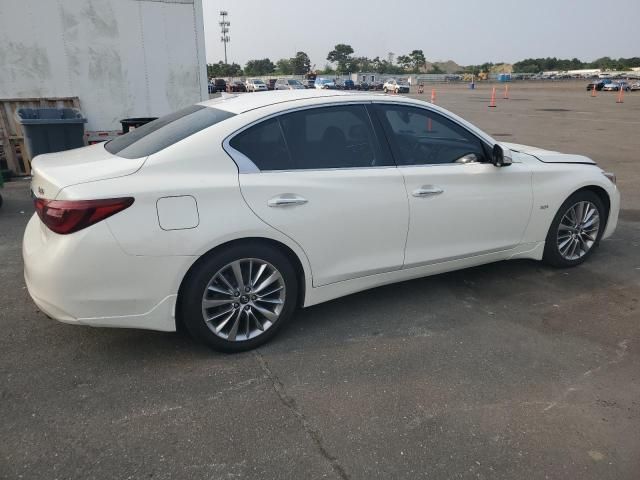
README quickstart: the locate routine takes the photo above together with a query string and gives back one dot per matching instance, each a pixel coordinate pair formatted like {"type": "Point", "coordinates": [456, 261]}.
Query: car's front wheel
{"type": "Point", "coordinates": [238, 298]}
{"type": "Point", "coordinates": [576, 230]}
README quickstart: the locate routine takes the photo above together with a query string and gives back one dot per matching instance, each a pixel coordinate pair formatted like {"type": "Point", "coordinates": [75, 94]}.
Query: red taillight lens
{"type": "Point", "coordinates": [68, 216]}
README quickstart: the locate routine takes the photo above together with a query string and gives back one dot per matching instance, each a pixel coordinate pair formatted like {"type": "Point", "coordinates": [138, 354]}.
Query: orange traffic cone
{"type": "Point", "coordinates": [493, 98]}
{"type": "Point", "coordinates": [620, 95]}
{"type": "Point", "coordinates": [593, 91]}
{"type": "Point", "coordinates": [506, 92]}
{"type": "Point", "coordinates": [433, 95]}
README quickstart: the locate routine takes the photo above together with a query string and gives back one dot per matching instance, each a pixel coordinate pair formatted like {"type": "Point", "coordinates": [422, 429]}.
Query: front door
{"type": "Point", "coordinates": [460, 204]}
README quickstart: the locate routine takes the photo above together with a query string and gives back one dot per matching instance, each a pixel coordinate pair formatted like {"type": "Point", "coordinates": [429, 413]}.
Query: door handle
{"type": "Point", "coordinates": [427, 191]}
{"type": "Point", "coordinates": [286, 200]}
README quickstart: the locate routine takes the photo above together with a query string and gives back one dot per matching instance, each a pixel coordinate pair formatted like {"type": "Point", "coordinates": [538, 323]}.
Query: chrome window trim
{"type": "Point", "coordinates": [245, 164]}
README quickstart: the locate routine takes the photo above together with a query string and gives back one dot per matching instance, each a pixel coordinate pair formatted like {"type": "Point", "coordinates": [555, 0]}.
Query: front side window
{"type": "Point", "coordinates": [165, 131]}
{"type": "Point", "coordinates": [315, 138]}
{"type": "Point", "coordinates": [423, 137]}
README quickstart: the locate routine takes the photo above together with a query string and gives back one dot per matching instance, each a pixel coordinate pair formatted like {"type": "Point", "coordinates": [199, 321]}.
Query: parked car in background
{"type": "Point", "coordinates": [288, 84]}
{"type": "Point", "coordinates": [376, 85]}
{"type": "Point", "coordinates": [271, 83]}
{"type": "Point", "coordinates": [616, 86]}
{"type": "Point", "coordinates": [255, 85]}
{"type": "Point", "coordinates": [342, 209]}
{"type": "Point", "coordinates": [309, 83]}
{"type": "Point", "coordinates": [599, 84]}
{"type": "Point", "coordinates": [395, 86]}
{"type": "Point", "coordinates": [236, 86]}
{"type": "Point", "coordinates": [324, 84]}
{"type": "Point", "coordinates": [364, 86]}
{"type": "Point", "coordinates": [348, 85]}
{"type": "Point", "coordinates": [219, 85]}
{"type": "Point", "coordinates": [634, 86]}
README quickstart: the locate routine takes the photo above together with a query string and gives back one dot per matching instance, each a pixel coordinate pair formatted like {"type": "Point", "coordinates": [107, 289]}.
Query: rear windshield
{"type": "Point", "coordinates": [165, 131]}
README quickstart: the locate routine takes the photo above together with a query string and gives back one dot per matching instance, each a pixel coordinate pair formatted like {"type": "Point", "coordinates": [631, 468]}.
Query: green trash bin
{"type": "Point", "coordinates": [48, 130]}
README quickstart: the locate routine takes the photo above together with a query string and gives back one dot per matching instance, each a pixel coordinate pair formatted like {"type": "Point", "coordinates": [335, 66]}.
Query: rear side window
{"type": "Point", "coordinates": [332, 137]}
{"type": "Point", "coordinates": [264, 145]}
{"type": "Point", "coordinates": [315, 138]}
{"type": "Point", "coordinates": [165, 131]}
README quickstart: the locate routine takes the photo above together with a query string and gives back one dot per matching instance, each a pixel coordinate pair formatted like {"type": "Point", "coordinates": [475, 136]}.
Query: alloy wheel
{"type": "Point", "coordinates": [578, 230]}
{"type": "Point", "coordinates": [243, 299]}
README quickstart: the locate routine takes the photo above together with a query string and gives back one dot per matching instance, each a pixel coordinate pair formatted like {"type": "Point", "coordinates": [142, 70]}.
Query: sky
{"type": "Point", "coordinates": [465, 31]}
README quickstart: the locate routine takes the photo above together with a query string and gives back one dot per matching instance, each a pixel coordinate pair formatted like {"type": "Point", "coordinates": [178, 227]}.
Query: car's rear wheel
{"type": "Point", "coordinates": [238, 299]}
{"type": "Point", "coordinates": [576, 230]}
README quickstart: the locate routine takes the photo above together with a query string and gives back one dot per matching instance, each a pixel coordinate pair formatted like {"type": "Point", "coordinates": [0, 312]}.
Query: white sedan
{"type": "Point", "coordinates": [255, 85]}
{"type": "Point", "coordinates": [228, 215]}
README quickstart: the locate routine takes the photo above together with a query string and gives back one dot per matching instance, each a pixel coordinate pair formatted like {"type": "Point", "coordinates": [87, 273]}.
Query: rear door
{"type": "Point", "coordinates": [326, 181]}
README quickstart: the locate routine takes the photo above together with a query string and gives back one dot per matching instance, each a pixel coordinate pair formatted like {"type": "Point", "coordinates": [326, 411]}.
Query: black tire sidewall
{"type": "Point", "coordinates": [190, 302]}
{"type": "Point", "coordinates": [552, 254]}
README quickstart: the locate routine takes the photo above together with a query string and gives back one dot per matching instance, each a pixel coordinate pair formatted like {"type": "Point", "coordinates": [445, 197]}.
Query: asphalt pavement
{"type": "Point", "coordinates": [508, 371]}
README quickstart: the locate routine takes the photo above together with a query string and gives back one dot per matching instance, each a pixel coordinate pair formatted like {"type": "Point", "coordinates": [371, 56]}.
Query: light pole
{"type": "Point", "coordinates": [224, 31]}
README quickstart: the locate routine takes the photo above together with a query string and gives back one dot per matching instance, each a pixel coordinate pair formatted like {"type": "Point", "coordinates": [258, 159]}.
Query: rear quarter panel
{"type": "Point", "coordinates": [196, 166]}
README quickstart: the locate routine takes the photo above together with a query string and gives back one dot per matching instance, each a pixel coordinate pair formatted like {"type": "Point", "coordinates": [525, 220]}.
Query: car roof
{"type": "Point", "coordinates": [287, 99]}
{"type": "Point", "coordinates": [243, 103]}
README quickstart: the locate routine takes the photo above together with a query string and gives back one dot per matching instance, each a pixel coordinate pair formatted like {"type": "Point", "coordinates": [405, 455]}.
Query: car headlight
{"type": "Point", "coordinates": [611, 176]}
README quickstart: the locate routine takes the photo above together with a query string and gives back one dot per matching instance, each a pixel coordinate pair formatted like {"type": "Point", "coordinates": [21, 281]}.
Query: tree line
{"type": "Point", "coordinates": [536, 65]}
{"type": "Point", "coordinates": [342, 60]}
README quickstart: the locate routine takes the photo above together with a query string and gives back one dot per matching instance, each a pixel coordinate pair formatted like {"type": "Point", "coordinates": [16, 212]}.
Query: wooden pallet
{"type": "Point", "coordinates": [17, 156]}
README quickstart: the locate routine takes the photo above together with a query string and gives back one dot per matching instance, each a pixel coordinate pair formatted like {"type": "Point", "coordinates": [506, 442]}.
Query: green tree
{"type": "Point", "coordinates": [259, 67]}
{"type": "Point", "coordinates": [341, 56]}
{"type": "Point", "coordinates": [361, 64]}
{"type": "Point", "coordinates": [327, 70]}
{"type": "Point", "coordinates": [404, 61]}
{"type": "Point", "coordinates": [284, 67]}
{"type": "Point", "coordinates": [417, 60]}
{"type": "Point", "coordinates": [221, 69]}
{"type": "Point", "coordinates": [300, 64]}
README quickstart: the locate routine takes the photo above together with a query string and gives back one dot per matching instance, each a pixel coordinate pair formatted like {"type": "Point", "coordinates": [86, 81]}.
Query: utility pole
{"type": "Point", "coordinates": [224, 31]}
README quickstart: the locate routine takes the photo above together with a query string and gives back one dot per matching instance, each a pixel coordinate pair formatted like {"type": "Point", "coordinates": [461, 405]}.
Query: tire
{"type": "Point", "coordinates": [585, 236]}
{"type": "Point", "coordinates": [203, 283]}
{"type": "Point", "coordinates": [385, 90]}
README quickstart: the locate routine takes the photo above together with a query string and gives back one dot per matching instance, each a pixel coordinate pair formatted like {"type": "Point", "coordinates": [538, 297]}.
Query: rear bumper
{"type": "Point", "coordinates": [86, 279]}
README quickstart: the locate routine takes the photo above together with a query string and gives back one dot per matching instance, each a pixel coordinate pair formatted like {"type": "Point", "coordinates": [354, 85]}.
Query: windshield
{"type": "Point", "coordinates": [294, 82]}
{"type": "Point", "coordinates": [165, 131]}
{"type": "Point", "coordinates": [258, 82]}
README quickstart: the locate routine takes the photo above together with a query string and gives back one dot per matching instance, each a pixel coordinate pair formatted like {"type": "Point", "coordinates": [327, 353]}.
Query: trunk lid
{"type": "Point", "coordinates": [51, 172]}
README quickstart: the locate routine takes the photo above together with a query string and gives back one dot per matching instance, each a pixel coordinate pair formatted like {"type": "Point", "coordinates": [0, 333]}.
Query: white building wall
{"type": "Point", "coordinates": [122, 58]}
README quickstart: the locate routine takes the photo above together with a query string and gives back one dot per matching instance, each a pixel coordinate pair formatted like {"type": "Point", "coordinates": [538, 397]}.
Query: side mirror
{"type": "Point", "coordinates": [500, 157]}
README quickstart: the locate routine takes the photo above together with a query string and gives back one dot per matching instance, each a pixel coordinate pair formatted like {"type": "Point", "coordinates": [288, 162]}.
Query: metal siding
{"type": "Point", "coordinates": [121, 57]}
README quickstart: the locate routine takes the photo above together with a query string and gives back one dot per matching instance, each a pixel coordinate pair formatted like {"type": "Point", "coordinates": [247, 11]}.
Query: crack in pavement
{"type": "Point", "coordinates": [291, 404]}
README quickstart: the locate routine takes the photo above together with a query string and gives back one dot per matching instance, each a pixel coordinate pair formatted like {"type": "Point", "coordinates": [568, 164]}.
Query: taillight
{"type": "Point", "coordinates": [68, 216]}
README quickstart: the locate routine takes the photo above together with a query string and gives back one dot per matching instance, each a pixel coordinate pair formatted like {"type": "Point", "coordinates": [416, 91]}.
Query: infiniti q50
{"type": "Point", "coordinates": [228, 215]}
